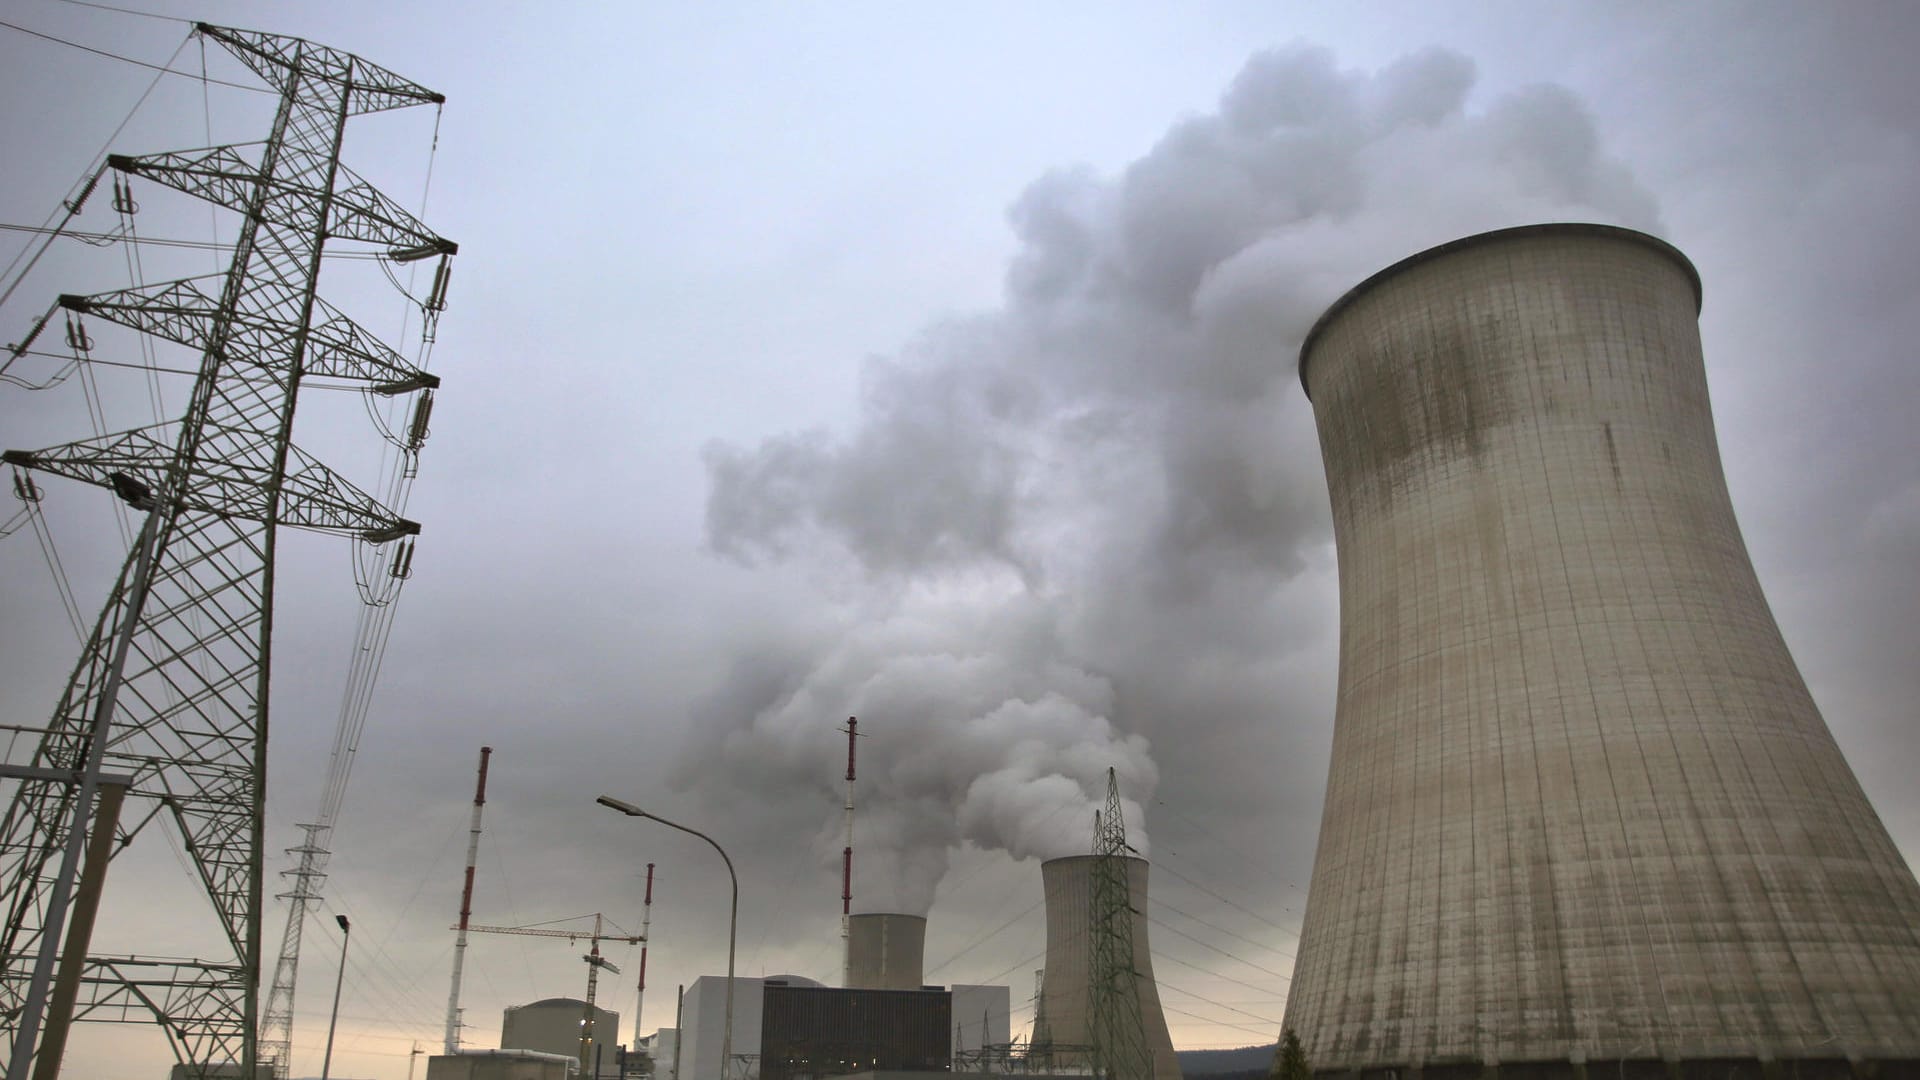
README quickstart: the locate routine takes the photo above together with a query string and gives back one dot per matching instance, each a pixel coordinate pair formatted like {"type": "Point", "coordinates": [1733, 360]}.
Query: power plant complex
{"type": "Point", "coordinates": [1583, 819]}
{"type": "Point", "coordinates": [1583, 816]}
{"type": "Point", "coordinates": [884, 1020]}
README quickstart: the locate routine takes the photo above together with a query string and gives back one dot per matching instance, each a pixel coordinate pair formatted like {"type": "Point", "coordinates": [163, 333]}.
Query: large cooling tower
{"type": "Point", "coordinates": [885, 952]}
{"type": "Point", "coordinates": [1583, 814]}
{"type": "Point", "coordinates": [1066, 987]}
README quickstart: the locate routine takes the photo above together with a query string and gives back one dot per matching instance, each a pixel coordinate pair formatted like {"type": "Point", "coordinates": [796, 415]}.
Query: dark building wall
{"type": "Point", "coordinates": [808, 1031]}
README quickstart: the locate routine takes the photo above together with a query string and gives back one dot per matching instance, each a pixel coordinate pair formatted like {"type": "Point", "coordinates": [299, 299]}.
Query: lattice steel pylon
{"type": "Point", "coordinates": [171, 689]}
{"type": "Point", "coordinates": [1119, 1040]}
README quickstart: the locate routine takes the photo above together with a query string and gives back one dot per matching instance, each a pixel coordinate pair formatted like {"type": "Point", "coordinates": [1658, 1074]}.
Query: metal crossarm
{"type": "Point", "coordinates": [224, 175]}
{"type": "Point", "coordinates": [171, 690]}
{"type": "Point", "coordinates": [312, 496]}
{"type": "Point", "coordinates": [188, 312]}
{"type": "Point", "coordinates": [286, 62]}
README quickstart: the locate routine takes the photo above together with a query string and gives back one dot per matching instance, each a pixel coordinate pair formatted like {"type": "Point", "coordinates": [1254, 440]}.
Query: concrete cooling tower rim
{"type": "Point", "coordinates": [1558, 228]}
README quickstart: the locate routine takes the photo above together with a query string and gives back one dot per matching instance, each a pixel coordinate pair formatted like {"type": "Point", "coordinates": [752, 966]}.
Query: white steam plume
{"type": "Point", "coordinates": [1075, 516]}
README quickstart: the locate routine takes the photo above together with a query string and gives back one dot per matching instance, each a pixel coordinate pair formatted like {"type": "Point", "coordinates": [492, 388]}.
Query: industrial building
{"type": "Point", "coordinates": [553, 1026]}
{"type": "Point", "coordinates": [502, 1065]}
{"type": "Point", "coordinates": [1583, 816]}
{"type": "Point", "coordinates": [1067, 985]}
{"type": "Point", "coordinates": [965, 1010]}
{"type": "Point", "coordinates": [664, 1047]}
{"type": "Point", "coordinates": [812, 1032]}
{"type": "Point", "coordinates": [702, 1019]}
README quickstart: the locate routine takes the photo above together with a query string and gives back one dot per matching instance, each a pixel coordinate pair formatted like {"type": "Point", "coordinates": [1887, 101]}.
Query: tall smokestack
{"type": "Point", "coordinates": [1066, 981]}
{"type": "Point", "coordinates": [886, 952]}
{"type": "Point", "coordinates": [452, 1041]}
{"type": "Point", "coordinates": [1583, 813]}
{"type": "Point", "coordinates": [846, 862]}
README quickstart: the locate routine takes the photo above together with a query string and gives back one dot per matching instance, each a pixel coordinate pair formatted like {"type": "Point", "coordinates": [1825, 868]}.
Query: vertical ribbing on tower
{"type": "Point", "coordinates": [1582, 809]}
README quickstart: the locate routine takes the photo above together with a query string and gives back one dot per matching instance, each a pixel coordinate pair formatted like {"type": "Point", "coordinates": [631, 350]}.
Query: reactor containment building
{"type": "Point", "coordinates": [1583, 816]}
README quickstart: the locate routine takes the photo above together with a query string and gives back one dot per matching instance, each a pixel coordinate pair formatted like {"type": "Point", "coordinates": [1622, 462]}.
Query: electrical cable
{"type": "Point", "coordinates": [60, 375]}
{"type": "Point", "coordinates": [1217, 1023]}
{"type": "Point", "coordinates": [97, 417]}
{"type": "Point", "coordinates": [1223, 930]}
{"type": "Point", "coordinates": [1204, 832]}
{"type": "Point", "coordinates": [166, 69]}
{"type": "Point", "coordinates": [127, 11]}
{"type": "Point", "coordinates": [1162, 983]}
{"type": "Point", "coordinates": [976, 942]}
{"type": "Point", "coordinates": [136, 270]}
{"type": "Point", "coordinates": [86, 175]}
{"type": "Point", "coordinates": [12, 524]}
{"type": "Point", "coordinates": [1214, 974]}
{"type": "Point", "coordinates": [44, 534]}
{"type": "Point", "coordinates": [1238, 959]}
{"type": "Point", "coordinates": [1237, 907]}
{"type": "Point", "coordinates": [72, 206]}
{"type": "Point", "coordinates": [401, 997]}
{"type": "Point", "coordinates": [206, 113]}
{"type": "Point", "coordinates": [994, 979]}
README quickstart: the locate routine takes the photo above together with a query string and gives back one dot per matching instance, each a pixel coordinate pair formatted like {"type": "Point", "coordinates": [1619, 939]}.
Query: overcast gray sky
{"type": "Point", "coordinates": [935, 364]}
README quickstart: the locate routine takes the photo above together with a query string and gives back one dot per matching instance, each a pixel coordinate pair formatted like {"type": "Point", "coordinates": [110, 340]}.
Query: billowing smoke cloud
{"type": "Point", "coordinates": [1070, 523]}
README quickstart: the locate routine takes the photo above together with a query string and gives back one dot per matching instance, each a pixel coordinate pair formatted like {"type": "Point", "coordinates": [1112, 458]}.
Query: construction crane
{"type": "Point", "coordinates": [594, 963]}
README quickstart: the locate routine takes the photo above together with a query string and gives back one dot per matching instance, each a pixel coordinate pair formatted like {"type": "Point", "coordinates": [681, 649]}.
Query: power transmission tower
{"type": "Point", "coordinates": [1040, 1039]}
{"type": "Point", "coordinates": [171, 689]}
{"type": "Point", "coordinates": [1118, 1036]}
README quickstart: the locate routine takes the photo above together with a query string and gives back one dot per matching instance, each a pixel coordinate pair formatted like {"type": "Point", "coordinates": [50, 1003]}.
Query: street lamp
{"type": "Point", "coordinates": [733, 916]}
{"type": "Point", "coordinates": [346, 935]}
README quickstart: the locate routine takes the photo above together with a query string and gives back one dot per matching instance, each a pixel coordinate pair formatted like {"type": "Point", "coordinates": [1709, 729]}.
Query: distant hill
{"type": "Point", "coordinates": [1247, 1061]}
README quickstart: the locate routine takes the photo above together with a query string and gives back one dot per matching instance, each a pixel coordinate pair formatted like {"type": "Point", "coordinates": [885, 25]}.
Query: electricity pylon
{"type": "Point", "coordinates": [1118, 1036]}
{"type": "Point", "coordinates": [171, 691]}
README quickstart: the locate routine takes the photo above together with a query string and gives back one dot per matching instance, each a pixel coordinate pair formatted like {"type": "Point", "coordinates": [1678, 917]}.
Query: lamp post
{"type": "Point", "coordinates": [733, 917]}
{"type": "Point", "coordinates": [346, 935]}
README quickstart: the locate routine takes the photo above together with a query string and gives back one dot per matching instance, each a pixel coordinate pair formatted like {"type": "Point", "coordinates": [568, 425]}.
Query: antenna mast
{"type": "Point", "coordinates": [646, 924]}
{"type": "Point", "coordinates": [846, 865]}
{"type": "Point", "coordinates": [452, 1042]}
{"type": "Point", "coordinates": [172, 687]}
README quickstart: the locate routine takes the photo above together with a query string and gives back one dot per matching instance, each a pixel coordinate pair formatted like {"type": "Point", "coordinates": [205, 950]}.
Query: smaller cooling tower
{"type": "Point", "coordinates": [1066, 987]}
{"type": "Point", "coordinates": [886, 952]}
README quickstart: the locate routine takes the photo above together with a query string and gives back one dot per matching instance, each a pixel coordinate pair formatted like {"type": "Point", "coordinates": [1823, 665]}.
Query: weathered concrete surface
{"type": "Point", "coordinates": [1581, 806]}
{"type": "Point", "coordinates": [1067, 985]}
{"type": "Point", "coordinates": [886, 952]}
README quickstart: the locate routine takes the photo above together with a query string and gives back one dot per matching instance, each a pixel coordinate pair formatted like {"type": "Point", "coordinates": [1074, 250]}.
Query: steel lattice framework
{"type": "Point", "coordinates": [171, 690]}
{"type": "Point", "coordinates": [1119, 1041]}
